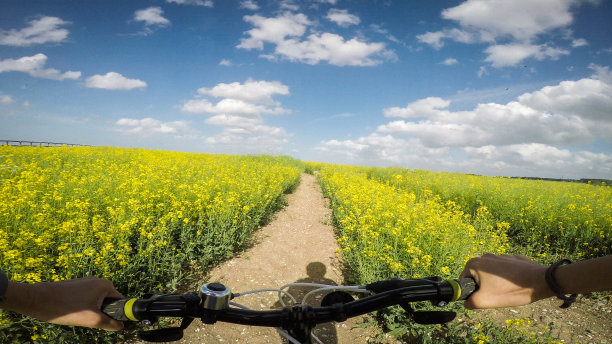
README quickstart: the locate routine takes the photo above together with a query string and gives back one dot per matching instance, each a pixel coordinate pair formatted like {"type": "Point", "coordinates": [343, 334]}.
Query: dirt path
{"type": "Point", "coordinates": [298, 245]}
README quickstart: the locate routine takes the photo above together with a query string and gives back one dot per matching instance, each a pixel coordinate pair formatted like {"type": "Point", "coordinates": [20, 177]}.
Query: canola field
{"type": "Point", "coordinates": [137, 217]}
{"type": "Point", "coordinates": [396, 222]}
{"type": "Point", "coordinates": [148, 219]}
{"type": "Point", "coordinates": [404, 222]}
{"type": "Point", "coordinates": [545, 218]}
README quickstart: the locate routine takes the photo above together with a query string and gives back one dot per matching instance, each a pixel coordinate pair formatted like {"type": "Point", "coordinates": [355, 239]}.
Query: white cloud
{"type": "Point", "coordinates": [513, 54]}
{"type": "Point", "coordinates": [286, 33]}
{"type": "Point", "coordinates": [42, 30]}
{"type": "Point", "coordinates": [334, 50]}
{"type": "Point", "coordinates": [206, 3]}
{"type": "Point", "coordinates": [252, 91]}
{"type": "Point", "coordinates": [427, 107]}
{"type": "Point", "coordinates": [496, 124]}
{"type": "Point", "coordinates": [580, 42]}
{"type": "Point", "coordinates": [377, 149]}
{"type": "Point", "coordinates": [436, 39]}
{"type": "Point", "coordinates": [148, 126]}
{"type": "Point", "coordinates": [589, 99]}
{"type": "Point", "coordinates": [521, 20]}
{"type": "Point", "coordinates": [226, 63]}
{"type": "Point", "coordinates": [450, 61]}
{"type": "Point", "coordinates": [249, 5]}
{"type": "Point", "coordinates": [288, 5]}
{"type": "Point", "coordinates": [512, 27]}
{"type": "Point", "coordinates": [572, 112]}
{"type": "Point", "coordinates": [590, 162]}
{"type": "Point", "coordinates": [34, 66]}
{"type": "Point", "coordinates": [151, 16]}
{"type": "Point", "coordinates": [342, 17]}
{"type": "Point", "coordinates": [245, 126]}
{"type": "Point", "coordinates": [532, 135]}
{"type": "Point", "coordinates": [540, 160]}
{"type": "Point", "coordinates": [5, 99]}
{"type": "Point", "coordinates": [273, 30]}
{"type": "Point", "coordinates": [239, 131]}
{"type": "Point", "coordinates": [114, 81]}
{"type": "Point", "coordinates": [240, 112]}
{"type": "Point", "coordinates": [230, 106]}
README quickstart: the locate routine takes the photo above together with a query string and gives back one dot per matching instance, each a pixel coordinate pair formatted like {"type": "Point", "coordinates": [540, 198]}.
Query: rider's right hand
{"type": "Point", "coordinates": [506, 281]}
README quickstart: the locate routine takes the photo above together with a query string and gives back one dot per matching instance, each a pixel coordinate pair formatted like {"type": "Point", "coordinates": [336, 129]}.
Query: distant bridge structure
{"type": "Point", "coordinates": [22, 143]}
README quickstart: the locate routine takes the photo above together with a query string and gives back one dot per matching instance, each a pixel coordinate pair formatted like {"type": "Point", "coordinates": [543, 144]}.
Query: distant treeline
{"type": "Point", "coordinates": [593, 181]}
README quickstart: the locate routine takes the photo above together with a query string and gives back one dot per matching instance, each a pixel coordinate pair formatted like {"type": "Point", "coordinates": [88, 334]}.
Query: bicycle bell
{"type": "Point", "coordinates": [214, 296]}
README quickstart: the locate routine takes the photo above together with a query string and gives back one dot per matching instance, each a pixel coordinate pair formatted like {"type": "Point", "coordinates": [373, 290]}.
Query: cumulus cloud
{"type": "Point", "coordinates": [427, 107]}
{"type": "Point", "coordinates": [273, 30]}
{"type": "Point", "coordinates": [333, 49]}
{"type": "Point", "coordinates": [230, 106]}
{"type": "Point", "coordinates": [539, 160]}
{"type": "Point", "coordinates": [436, 39]}
{"type": "Point", "coordinates": [589, 99]}
{"type": "Point", "coordinates": [513, 54]}
{"type": "Point", "coordinates": [572, 112]}
{"type": "Point", "coordinates": [151, 17]}
{"type": "Point", "coordinates": [240, 112]}
{"type": "Point", "coordinates": [521, 20]}
{"type": "Point", "coordinates": [286, 33]}
{"type": "Point", "coordinates": [252, 91]}
{"type": "Point", "coordinates": [516, 24]}
{"type": "Point", "coordinates": [206, 3]}
{"type": "Point", "coordinates": [113, 81]}
{"type": "Point", "coordinates": [40, 31]}
{"type": "Point", "coordinates": [532, 135]}
{"type": "Point", "coordinates": [34, 66]}
{"type": "Point", "coordinates": [148, 126]}
{"type": "Point", "coordinates": [377, 149]}
{"type": "Point", "coordinates": [239, 128]}
{"type": "Point", "coordinates": [342, 17]}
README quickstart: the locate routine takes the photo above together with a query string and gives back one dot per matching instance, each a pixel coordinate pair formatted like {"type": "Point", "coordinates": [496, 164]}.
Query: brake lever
{"type": "Point", "coordinates": [168, 334]}
{"type": "Point", "coordinates": [428, 317]}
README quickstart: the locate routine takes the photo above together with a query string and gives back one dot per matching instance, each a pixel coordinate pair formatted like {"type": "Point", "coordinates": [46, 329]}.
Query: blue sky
{"type": "Point", "coordinates": [492, 87]}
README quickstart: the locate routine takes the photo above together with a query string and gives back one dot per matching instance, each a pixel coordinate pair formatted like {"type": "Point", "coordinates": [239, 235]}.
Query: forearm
{"type": "Point", "coordinates": [19, 297]}
{"type": "Point", "coordinates": [516, 280]}
{"type": "Point", "coordinates": [586, 276]}
{"type": "Point", "coordinates": [74, 302]}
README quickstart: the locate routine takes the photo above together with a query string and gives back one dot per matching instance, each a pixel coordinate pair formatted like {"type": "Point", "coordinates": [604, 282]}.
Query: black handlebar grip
{"type": "Point", "coordinates": [468, 286]}
{"type": "Point", "coordinates": [116, 308]}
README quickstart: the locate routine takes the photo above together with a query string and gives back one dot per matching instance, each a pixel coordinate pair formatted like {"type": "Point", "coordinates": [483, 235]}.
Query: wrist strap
{"type": "Point", "coordinates": [555, 287]}
{"type": "Point", "coordinates": [3, 284]}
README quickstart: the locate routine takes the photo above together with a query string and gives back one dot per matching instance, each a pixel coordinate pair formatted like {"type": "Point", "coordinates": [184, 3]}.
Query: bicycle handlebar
{"type": "Point", "coordinates": [387, 293]}
{"type": "Point", "coordinates": [211, 304]}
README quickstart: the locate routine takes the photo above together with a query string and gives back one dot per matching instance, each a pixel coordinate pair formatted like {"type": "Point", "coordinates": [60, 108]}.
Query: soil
{"type": "Point", "coordinates": [299, 246]}
{"type": "Point", "coordinates": [588, 320]}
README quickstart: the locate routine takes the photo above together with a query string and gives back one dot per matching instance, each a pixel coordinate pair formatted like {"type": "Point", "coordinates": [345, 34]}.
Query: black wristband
{"type": "Point", "coordinates": [555, 287]}
{"type": "Point", "coordinates": [3, 284]}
